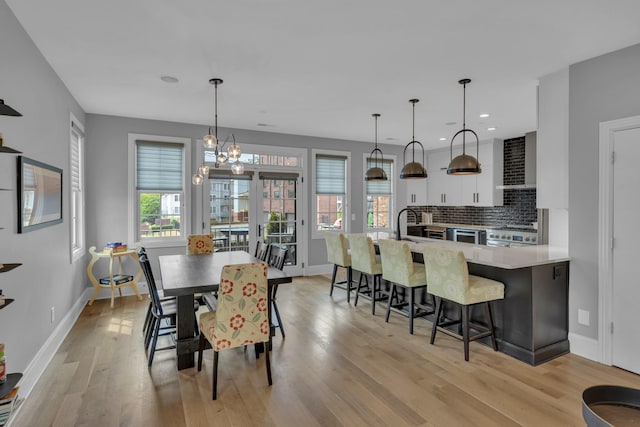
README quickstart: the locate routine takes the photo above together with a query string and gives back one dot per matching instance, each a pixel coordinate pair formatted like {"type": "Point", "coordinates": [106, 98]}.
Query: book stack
{"type": "Point", "coordinates": [7, 403]}
{"type": "Point", "coordinates": [115, 247]}
{"type": "Point", "coordinates": [118, 279]}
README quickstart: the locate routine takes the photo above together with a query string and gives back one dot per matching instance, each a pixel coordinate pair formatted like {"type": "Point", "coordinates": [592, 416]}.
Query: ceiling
{"type": "Point", "coordinates": [322, 68]}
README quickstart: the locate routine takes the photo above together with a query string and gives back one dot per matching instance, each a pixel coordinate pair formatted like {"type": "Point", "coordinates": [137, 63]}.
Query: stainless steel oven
{"type": "Point", "coordinates": [469, 235]}
{"type": "Point", "coordinates": [512, 237]}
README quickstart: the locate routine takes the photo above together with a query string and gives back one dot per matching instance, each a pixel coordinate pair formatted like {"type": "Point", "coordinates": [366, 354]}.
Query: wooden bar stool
{"type": "Point", "coordinates": [449, 280]}
{"type": "Point", "coordinates": [338, 255]}
{"type": "Point", "coordinates": [399, 269]}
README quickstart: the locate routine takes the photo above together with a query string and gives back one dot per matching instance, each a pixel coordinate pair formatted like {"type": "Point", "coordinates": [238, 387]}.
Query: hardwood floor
{"type": "Point", "coordinates": [338, 365]}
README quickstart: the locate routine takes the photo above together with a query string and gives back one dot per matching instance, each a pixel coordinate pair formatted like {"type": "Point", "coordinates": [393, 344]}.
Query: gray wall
{"type": "Point", "coordinates": [47, 278]}
{"type": "Point", "coordinates": [600, 89]}
{"type": "Point", "coordinates": [107, 173]}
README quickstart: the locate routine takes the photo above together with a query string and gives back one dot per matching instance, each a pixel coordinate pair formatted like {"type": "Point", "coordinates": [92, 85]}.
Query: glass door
{"type": "Point", "coordinates": [229, 211]}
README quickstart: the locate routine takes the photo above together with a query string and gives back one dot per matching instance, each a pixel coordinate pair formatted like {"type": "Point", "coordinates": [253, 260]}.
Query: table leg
{"type": "Point", "coordinates": [185, 347]}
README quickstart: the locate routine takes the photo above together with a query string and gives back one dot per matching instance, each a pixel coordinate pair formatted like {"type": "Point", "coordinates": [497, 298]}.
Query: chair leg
{"type": "Point", "coordinates": [465, 331]}
{"type": "Point", "coordinates": [412, 296]}
{"type": "Point", "coordinates": [349, 280]}
{"type": "Point", "coordinates": [201, 345]}
{"type": "Point", "coordinates": [374, 293]}
{"type": "Point", "coordinates": [149, 333]}
{"type": "Point", "coordinates": [268, 363]}
{"type": "Point", "coordinates": [355, 304]}
{"type": "Point", "coordinates": [391, 293]}
{"type": "Point", "coordinates": [333, 278]}
{"type": "Point", "coordinates": [154, 341]}
{"type": "Point", "coordinates": [147, 319]}
{"type": "Point", "coordinates": [215, 375]}
{"type": "Point", "coordinates": [277, 313]}
{"type": "Point", "coordinates": [490, 325]}
{"type": "Point", "coordinates": [437, 320]}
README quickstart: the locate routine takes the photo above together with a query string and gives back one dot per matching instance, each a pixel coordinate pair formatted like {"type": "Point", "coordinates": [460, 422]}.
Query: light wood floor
{"type": "Point", "coordinates": [338, 366]}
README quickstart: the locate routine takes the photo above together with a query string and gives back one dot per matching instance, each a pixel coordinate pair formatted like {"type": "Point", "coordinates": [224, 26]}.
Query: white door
{"type": "Point", "coordinates": [626, 233]}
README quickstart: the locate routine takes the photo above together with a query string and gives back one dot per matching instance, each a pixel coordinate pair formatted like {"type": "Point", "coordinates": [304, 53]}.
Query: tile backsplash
{"type": "Point", "coordinates": [519, 205]}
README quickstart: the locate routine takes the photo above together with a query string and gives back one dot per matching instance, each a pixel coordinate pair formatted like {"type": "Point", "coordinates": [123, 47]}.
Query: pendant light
{"type": "Point", "coordinates": [464, 164]}
{"type": "Point", "coordinates": [413, 170]}
{"type": "Point", "coordinates": [212, 142]}
{"type": "Point", "coordinates": [376, 173]}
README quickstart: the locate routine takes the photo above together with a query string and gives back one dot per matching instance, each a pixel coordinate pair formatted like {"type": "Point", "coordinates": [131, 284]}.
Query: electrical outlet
{"type": "Point", "coordinates": [583, 317]}
{"type": "Point", "coordinates": [53, 314]}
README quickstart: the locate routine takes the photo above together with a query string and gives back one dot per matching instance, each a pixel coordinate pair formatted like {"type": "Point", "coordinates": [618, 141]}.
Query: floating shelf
{"type": "Point", "coordinates": [9, 267]}
{"type": "Point", "coordinates": [7, 301]}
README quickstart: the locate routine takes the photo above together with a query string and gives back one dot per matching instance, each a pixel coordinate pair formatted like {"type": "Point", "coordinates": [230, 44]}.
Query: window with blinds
{"type": "Point", "coordinates": [330, 191]}
{"type": "Point", "coordinates": [76, 182]}
{"type": "Point", "coordinates": [159, 182]}
{"type": "Point", "coordinates": [379, 196]}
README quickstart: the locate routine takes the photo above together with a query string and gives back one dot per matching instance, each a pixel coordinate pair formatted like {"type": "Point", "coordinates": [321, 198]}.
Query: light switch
{"type": "Point", "coordinates": [353, 217]}
{"type": "Point", "coordinates": [583, 317]}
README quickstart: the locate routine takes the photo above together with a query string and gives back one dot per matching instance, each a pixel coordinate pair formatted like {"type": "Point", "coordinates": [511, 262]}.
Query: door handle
{"type": "Point", "coordinates": [259, 230]}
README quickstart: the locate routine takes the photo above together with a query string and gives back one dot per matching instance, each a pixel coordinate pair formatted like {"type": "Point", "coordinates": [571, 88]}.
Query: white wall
{"type": "Point", "coordinates": [600, 89]}
{"type": "Point", "coordinates": [47, 278]}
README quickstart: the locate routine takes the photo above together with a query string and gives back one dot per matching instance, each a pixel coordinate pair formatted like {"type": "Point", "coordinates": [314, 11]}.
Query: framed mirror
{"type": "Point", "coordinates": [39, 195]}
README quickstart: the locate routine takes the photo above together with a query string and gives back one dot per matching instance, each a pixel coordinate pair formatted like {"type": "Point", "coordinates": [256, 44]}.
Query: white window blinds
{"type": "Point", "coordinates": [380, 187]}
{"type": "Point", "coordinates": [330, 174]}
{"type": "Point", "coordinates": [159, 166]}
{"type": "Point", "coordinates": [75, 161]}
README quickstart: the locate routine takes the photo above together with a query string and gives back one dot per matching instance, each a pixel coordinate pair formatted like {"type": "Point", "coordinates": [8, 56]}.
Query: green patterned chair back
{"type": "Point", "coordinates": [241, 317]}
{"type": "Point", "coordinates": [397, 262]}
{"type": "Point", "coordinates": [363, 254]}
{"type": "Point", "coordinates": [198, 244]}
{"type": "Point", "coordinates": [447, 273]}
{"type": "Point", "coordinates": [337, 251]}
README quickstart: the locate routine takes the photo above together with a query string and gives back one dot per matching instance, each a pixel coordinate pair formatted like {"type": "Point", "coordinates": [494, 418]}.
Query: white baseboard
{"type": "Point", "coordinates": [40, 362]}
{"type": "Point", "coordinates": [313, 270]}
{"type": "Point", "coordinates": [585, 347]}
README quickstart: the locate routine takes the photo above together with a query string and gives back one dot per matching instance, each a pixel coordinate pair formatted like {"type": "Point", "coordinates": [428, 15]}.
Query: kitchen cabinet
{"type": "Point", "coordinates": [416, 192]}
{"type": "Point", "coordinates": [467, 190]}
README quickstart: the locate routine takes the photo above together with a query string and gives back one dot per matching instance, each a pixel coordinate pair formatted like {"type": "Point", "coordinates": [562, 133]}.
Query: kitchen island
{"type": "Point", "coordinates": [531, 322]}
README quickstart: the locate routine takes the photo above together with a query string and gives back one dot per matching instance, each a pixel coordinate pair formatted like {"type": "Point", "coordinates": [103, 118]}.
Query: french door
{"type": "Point", "coordinates": [257, 206]}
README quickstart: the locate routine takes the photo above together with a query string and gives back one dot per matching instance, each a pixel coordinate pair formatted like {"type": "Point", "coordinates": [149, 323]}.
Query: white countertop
{"type": "Point", "coordinates": [508, 258]}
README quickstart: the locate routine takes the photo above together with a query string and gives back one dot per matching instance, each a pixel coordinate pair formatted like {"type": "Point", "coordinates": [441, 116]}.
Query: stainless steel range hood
{"type": "Point", "coordinates": [529, 165]}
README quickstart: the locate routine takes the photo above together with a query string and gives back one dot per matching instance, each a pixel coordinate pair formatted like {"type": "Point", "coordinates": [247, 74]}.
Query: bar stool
{"type": "Point", "coordinates": [449, 280]}
{"type": "Point", "coordinates": [365, 261]}
{"type": "Point", "coordinates": [338, 255]}
{"type": "Point", "coordinates": [399, 269]}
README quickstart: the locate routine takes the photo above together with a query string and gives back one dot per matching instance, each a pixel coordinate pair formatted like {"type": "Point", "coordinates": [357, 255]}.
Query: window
{"type": "Point", "coordinates": [379, 200]}
{"type": "Point", "coordinates": [159, 190]}
{"type": "Point", "coordinates": [331, 177]}
{"type": "Point", "coordinates": [76, 210]}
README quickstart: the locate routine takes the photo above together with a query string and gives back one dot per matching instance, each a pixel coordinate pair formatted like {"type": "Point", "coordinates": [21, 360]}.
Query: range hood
{"type": "Point", "coordinates": [529, 176]}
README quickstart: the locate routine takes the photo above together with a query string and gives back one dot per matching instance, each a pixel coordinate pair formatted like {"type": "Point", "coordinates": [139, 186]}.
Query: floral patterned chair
{"type": "Point", "coordinates": [198, 244]}
{"type": "Point", "coordinates": [449, 280]}
{"type": "Point", "coordinates": [241, 317]}
{"type": "Point", "coordinates": [338, 255]}
{"type": "Point", "coordinates": [399, 269]}
{"type": "Point", "coordinates": [365, 261]}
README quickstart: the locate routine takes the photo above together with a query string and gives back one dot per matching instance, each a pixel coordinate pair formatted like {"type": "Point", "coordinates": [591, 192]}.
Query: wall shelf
{"type": "Point", "coordinates": [9, 267]}
{"type": "Point", "coordinates": [12, 380]}
{"type": "Point", "coordinates": [7, 301]}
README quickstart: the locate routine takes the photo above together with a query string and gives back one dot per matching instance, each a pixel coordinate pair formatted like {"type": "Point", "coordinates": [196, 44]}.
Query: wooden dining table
{"type": "Point", "coordinates": [185, 275]}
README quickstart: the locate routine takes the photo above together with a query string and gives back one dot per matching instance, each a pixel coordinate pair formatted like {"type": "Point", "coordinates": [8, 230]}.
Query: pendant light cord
{"type": "Point", "coordinates": [464, 117]}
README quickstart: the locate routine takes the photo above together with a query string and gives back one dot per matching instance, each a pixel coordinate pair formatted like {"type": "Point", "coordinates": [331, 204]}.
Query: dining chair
{"type": "Point", "coordinates": [148, 317]}
{"type": "Point", "coordinates": [198, 244]}
{"type": "Point", "coordinates": [262, 250]}
{"type": "Point", "coordinates": [365, 261]}
{"type": "Point", "coordinates": [276, 258]}
{"type": "Point", "coordinates": [242, 316]}
{"type": "Point", "coordinates": [449, 280]}
{"type": "Point", "coordinates": [338, 255]}
{"type": "Point", "coordinates": [399, 269]}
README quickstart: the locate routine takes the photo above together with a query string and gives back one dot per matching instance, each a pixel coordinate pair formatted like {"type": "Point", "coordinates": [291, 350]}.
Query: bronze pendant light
{"type": "Point", "coordinates": [464, 164]}
{"type": "Point", "coordinates": [413, 170]}
{"type": "Point", "coordinates": [376, 173]}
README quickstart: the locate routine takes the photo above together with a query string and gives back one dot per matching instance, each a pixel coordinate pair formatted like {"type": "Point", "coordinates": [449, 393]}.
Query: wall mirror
{"type": "Point", "coordinates": [39, 195]}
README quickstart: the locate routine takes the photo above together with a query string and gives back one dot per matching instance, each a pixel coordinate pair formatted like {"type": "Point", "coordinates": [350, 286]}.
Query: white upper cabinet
{"type": "Point", "coordinates": [553, 141]}
{"type": "Point", "coordinates": [469, 190]}
{"type": "Point", "coordinates": [417, 191]}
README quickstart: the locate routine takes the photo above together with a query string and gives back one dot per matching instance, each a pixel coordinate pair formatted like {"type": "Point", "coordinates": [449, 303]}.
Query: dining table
{"type": "Point", "coordinates": [185, 275]}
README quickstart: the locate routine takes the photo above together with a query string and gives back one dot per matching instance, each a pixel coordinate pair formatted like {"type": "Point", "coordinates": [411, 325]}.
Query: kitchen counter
{"type": "Point", "coordinates": [501, 257]}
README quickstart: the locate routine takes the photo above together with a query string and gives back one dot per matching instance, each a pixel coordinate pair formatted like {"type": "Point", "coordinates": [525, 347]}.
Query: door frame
{"type": "Point", "coordinates": [605, 231]}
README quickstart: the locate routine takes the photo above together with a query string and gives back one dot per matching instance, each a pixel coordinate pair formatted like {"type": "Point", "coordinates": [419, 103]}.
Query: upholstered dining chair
{"type": "Point", "coordinates": [198, 244]}
{"type": "Point", "coordinates": [276, 258]}
{"type": "Point", "coordinates": [338, 255]}
{"type": "Point", "coordinates": [399, 269]}
{"type": "Point", "coordinates": [365, 261]}
{"type": "Point", "coordinates": [242, 316]}
{"type": "Point", "coordinates": [449, 280]}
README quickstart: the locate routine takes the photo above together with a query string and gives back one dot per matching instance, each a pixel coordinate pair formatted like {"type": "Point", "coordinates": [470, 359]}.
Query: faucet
{"type": "Point", "coordinates": [398, 220]}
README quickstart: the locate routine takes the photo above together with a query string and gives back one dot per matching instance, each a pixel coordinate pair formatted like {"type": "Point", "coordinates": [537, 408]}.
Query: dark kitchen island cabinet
{"type": "Point", "coordinates": [532, 321]}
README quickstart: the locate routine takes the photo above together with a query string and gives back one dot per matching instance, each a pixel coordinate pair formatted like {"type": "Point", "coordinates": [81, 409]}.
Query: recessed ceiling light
{"type": "Point", "coordinates": [492, 128]}
{"type": "Point", "coordinates": [443, 139]}
{"type": "Point", "coordinates": [266, 125]}
{"type": "Point", "coordinates": [169, 79]}
{"type": "Point", "coordinates": [451, 123]}
{"type": "Point", "coordinates": [391, 139]}
{"type": "Point", "coordinates": [483, 115]}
